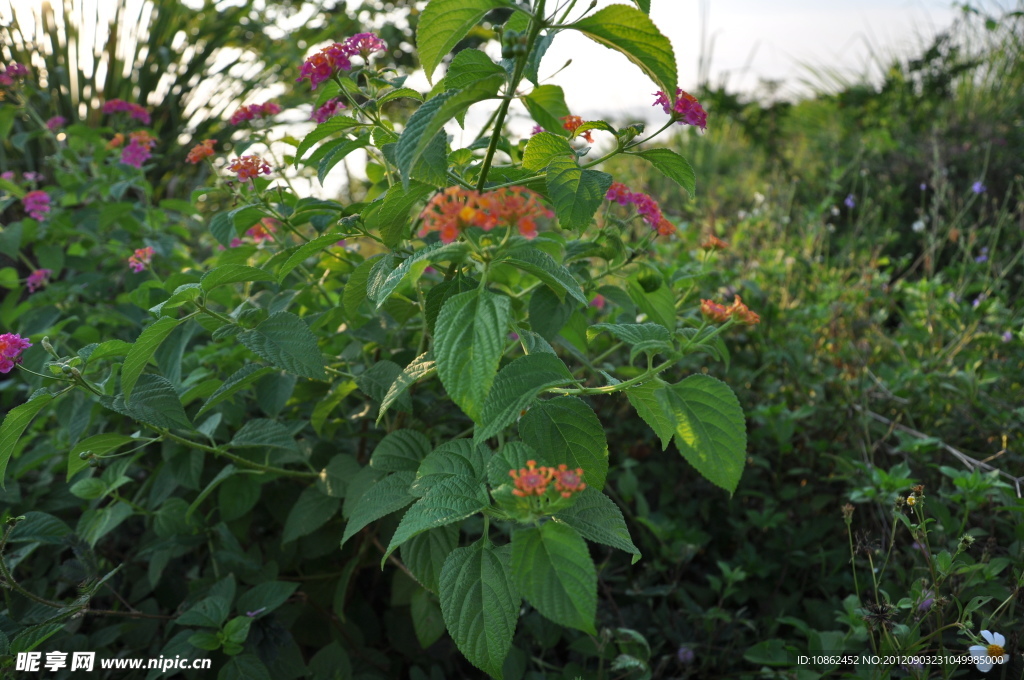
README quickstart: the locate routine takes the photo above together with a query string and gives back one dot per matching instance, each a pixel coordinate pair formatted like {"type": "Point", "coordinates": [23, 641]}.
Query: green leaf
{"type": "Point", "coordinates": [673, 166]}
{"type": "Point", "coordinates": [244, 667]}
{"type": "Point", "coordinates": [325, 129]}
{"type": "Point", "coordinates": [238, 380]}
{"type": "Point", "coordinates": [513, 456]}
{"type": "Point", "coordinates": [597, 517]}
{"type": "Point", "coordinates": [210, 612]}
{"type": "Point", "coordinates": [631, 32]}
{"type": "Point", "coordinates": [468, 66]}
{"type": "Point", "coordinates": [480, 603]}
{"type": "Point", "coordinates": [424, 554]}
{"type": "Point", "coordinates": [306, 251]}
{"type": "Point", "coordinates": [267, 596]}
{"type": "Point", "coordinates": [538, 263]}
{"type": "Point", "coordinates": [355, 288]}
{"type": "Point", "coordinates": [98, 444]}
{"type": "Point", "coordinates": [154, 401]}
{"type": "Point", "coordinates": [391, 216]}
{"type": "Point", "coordinates": [650, 338]}
{"type": "Point", "coordinates": [385, 496]}
{"type": "Point", "coordinates": [452, 499]}
{"type": "Point", "coordinates": [39, 527]}
{"type": "Point", "coordinates": [468, 344]}
{"type": "Point", "coordinates": [286, 341]}
{"type": "Point", "coordinates": [710, 430]}
{"type": "Point", "coordinates": [263, 432]}
{"type": "Point", "coordinates": [542, 148]}
{"type": "Point", "coordinates": [420, 368]}
{"type": "Point", "coordinates": [430, 118]}
{"type": "Point", "coordinates": [457, 457]}
{"type": "Point", "coordinates": [659, 305]}
{"type": "Point", "coordinates": [567, 431]}
{"type": "Point", "coordinates": [225, 474]}
{"type": "Point", "coordinates": [142, 351]}
{"type": "Point", "coordinates": [205, 640]}
{"type": "Point", "coordinates": [575, 192]}
{"type": "Point", "coordinates": [644, 399]}
{"type": "Point", "coordinates": [548, 313]}
{"type": "Point", "coordinates": [233, 273]}
{"type": "Point", "coordinates": [310, 512]}
{"type": "Point", "coordinates": [644, 5]}
{"type": "Point", "coordinates": [399, 93]}
{"type": "Point", "coordinates": [337, 153]}
{"type": "Point", "coordinates": [401, 450]}
{"type": "Point", "coordinates": [187, 292]}
{"type": "Point", "coordinates": [443, 24]}
{"type": "Point", "coordinates": [516, 387]}
{"type": "Point", "coordinates": [440, 294]}
{"type": "Point", "coordinates": [427, 619]}
{"type": "Point", "coordinates": [379, 291]}
{"type": "Point", "coordinates": [546, 105]}
{"type": "Point", "coordinates": [377, 381]}
{"type": "Point", "coordinates": [552, 568]}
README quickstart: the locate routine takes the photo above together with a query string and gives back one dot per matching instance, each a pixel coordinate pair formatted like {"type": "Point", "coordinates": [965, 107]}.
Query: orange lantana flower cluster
{"type": "Point", "coordinates": [714, 243]}
{"type": "Point", "coordinates": [534, 481]}
{"type": "Point", "coordinates": [717, 313]}
{"type": "Point", "coordinates": [248, 167]}
{"type": "Point", "coordinates": [201, 151]}
{"type": "Point", "coordinates": [455, 209]}
{"type": "Point", "coordinates": [573, 123]}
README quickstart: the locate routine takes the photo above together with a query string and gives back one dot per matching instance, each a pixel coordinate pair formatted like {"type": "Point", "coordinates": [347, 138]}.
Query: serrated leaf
{"type": "Point", "coordinates": [644, 399]}
{"type": "Point", "coordinates": [443, 24]}
{"type": "Point", "coordinates": [401, 450]}
{"type": "Point", "coordinates": [575, 192]}
{"type": "Point", "coordinates": [184, 293]}
{"type": "Point", "coordinates": [598, 518]}
{"type": "Point", "coordinates": [516, 387]}
{"type": "Point", "coordinates": [233, 273]}
{"type": "Point", "coordinates": [513, 456]}
{"type": "Point", "coordinates": [420, 368]}
{"type": "Point", "coordinates": [238, 380]}
{"type": "Point", "coordinates": [457, 457]}
{"type": "Point", "coordinates": [480, 603]}
{"type": "Point", "coordinates": [673, 166]}
{"type": "Point", "coordinates": [310, 512]}
{"type": "Point", "coordinates": [435, 252]}
{"type": "Point", "coordinates": [264, 432]}
{"type": "Point", "coordinates": [306, 251]}
{"type": "Point", "coordinates": [440, 293]}
{"type": "Point", "coordinates": [452, 499]}
{"type": "Point", "coordinates": [659, 305]}
{"type": "Point", "coordinates": [391, 217]}
{"type": "Point", "coordinates": [568, 431]}
{"type": "Point", "coordinates": [546, 105]}
{"type": "Point", "coordinates": [430, 118]}
{"type": "Point", "coordinates": [153, 401]}
{"type": "Point", "coordinates": [286, 342]}
{"type": "Point", "coordinates": [266, 597]}
{"type": "Point", "coordinates": [427, 619]}
{"type": "Point", "coordinates": [710, 430]}
{"type": "Point", "coordinates": [325, 129]}
{"type": "Point", "coordinates": [548, 314]}
{"type": "Point", "coordinates": [401, 92]}
{"type": "Point", "coordinates": [142, 351]}
{"type": "Point", "coordinates": [338, 153]}
{"type": "Point", "coordinates": [425, 554]}
{"type": "Point", "coordinates": [467, 66]}
{"type": "Point", "coordinates": [355, 287]}
{"type": "Point", "coordinates": [538, 263]}
{"type": "Point", "coordinates": [377, 381]}
{"type": "Point", "coordinates": [650, 338]}
{"type": "Point", "coordinates": [468, 344]}
{"type": "Point", "coordinates": [543, 147]}
{"type": "Point", "coordinates": [552, 568]}
{"type": "Point", "coordinates": [210, 612]}
{"type": "Point", "coordinates": [385, 496]}
{"type": "Point", "coordinates": [631, 32]}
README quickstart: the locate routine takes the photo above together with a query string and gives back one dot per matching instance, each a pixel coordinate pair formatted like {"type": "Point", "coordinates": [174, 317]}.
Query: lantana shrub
{"type": "Point", "coordinates": [408, 379]}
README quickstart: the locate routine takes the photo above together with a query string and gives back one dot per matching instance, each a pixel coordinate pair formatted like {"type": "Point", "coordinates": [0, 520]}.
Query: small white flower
{"type": "Point", "coordinates": [981, 656]}
{"type": "Point", "coordinates": [835, 211]}
{"type": "Point", "coordinates": [917, 227]}
{"type": "Point", "coordinates": [758, 198]}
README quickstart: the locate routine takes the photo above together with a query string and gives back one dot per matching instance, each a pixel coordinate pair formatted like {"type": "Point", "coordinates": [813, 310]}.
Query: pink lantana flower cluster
{"type": "Point", "coordinates": [37, 204]}
{"type": "Point", "coordinates": [254, 111]}
{"type": "Point", "coordinates": [645, 205]}
{"type": "Point", "coordinates": [248, 167]}
{"type": "Point", "coordinates": [331, 108]}
{"type": "Point", "coordinates": [38, 279]}
{"type": "Point", "coordinates": [11, 347]}
{"type": "Point", "coordinates": [134, 110]}
{"type": "Point", "coordinates": [140, 258]}
{"type": "Point", "coordinates": [337, 57]}
{"type": "Point", "coordinates": [56, 123]}
{"type": "Point", "coordinates": [260, 232]}
{"type": "Point", "coordinates": [685, 108]}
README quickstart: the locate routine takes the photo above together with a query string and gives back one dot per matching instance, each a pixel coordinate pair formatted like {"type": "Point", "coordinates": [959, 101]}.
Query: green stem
{"type": "Point", "coordinates": [235, 458]}
{"type": "Point", "coordinates": [609, 389]}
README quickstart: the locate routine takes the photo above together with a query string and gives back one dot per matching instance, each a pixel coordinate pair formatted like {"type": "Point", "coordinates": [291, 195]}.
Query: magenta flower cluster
{"type": "Point", "coordinates": [37, 204]}
{"type": "Point", "coordinates": [254, 111]}
{"type": "Point", "coordinates": [337, 57]}
{"type": "Point", "coordinates": [331, 108]}
{"type": "Point", "coordinates": [10, 72]}
{"type": "Point", "coordinates": [134, 110]}
{"type": "Point", "coordinates": [38, 279]}
{"type": "Point", "coordinates": [56, 123]}
{"type": "Point", "coordinates": [11, 347]}
{"type": "Point", "coordinates": [645, 205]}
{"type": "Point", "coordinates": [685, 110]}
